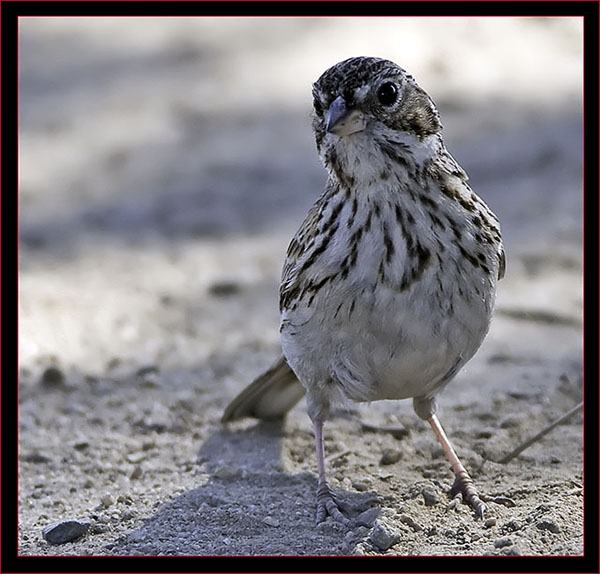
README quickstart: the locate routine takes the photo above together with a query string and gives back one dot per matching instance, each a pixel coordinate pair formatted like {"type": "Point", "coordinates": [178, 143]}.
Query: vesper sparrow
{"type": "Point", "coordinates": [389, 284]}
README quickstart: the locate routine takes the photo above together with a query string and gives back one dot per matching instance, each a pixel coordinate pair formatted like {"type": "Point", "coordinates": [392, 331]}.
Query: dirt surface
{"type": "Point", "coordinates": [164, 166]}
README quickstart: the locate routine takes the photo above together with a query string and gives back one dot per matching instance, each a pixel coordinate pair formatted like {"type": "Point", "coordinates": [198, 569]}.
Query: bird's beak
{"type": "Point", "coordinates": [343, 121]}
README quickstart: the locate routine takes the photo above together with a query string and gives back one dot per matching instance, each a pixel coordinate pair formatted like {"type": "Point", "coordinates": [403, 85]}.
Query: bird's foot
{"type": "Point", "coordinates": [463, 487]}
{"type": "Point", "coordinates": [326, 505]}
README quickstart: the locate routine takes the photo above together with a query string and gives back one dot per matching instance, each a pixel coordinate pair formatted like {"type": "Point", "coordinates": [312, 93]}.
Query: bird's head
{"type": "Point", "coordinates": [370, 95]}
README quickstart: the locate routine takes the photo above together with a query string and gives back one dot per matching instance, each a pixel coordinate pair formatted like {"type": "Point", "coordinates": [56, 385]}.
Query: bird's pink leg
{"type": "Point", "coordinates": [326, 504]}
{"type": "Point", "coordinates": [462, 482]}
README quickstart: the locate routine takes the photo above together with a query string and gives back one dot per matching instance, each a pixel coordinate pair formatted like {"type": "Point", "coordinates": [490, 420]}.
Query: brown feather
{"type": "Point", "coordinates": [269, 397]}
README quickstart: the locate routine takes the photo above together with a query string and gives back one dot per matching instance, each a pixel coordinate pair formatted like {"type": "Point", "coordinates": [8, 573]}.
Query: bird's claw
{"type": "Point", "coordinates": [463, 487]}
{"type": "Point", "coordinates": [327, 506]}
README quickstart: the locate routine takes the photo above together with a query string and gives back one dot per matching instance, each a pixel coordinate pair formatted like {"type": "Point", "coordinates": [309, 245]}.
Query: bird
{"type": "Point", "coordinates": [388, 286]}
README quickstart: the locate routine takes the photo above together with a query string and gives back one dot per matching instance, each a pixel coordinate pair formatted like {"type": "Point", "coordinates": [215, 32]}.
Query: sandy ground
{"type": "Point", "coordinates": [164, 166]}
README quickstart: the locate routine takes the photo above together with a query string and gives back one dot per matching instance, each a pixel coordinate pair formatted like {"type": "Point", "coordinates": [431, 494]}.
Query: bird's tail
{"type": "Point", "coordinates": [268, 397]}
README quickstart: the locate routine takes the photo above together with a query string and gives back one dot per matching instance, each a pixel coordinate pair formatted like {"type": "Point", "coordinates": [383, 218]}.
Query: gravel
{"type": "Point", "coordinates": [164, 165]}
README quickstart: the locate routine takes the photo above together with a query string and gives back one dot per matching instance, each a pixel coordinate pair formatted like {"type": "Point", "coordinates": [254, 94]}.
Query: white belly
{"type": "Point", "coordinates": [391, 346]}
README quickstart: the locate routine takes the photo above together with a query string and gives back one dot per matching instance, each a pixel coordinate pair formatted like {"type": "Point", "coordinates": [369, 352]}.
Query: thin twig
{"type": "Point", "coordinates": [542, 433]}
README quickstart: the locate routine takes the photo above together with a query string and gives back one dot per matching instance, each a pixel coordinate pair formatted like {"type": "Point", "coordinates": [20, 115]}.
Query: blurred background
{"type": "Point", "coordinates": [166, 162]}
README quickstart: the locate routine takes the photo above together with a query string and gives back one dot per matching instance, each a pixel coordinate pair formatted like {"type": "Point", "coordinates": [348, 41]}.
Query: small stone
{"type": "Point", "coordinates": [148, 377]}
{"type": "Point", "coordinates": [390, 456]}
{"type": "Point", "coordinates": [503, 542]}
{"type": "Point", "coordinates": [107, 500]}
{"type": "Point", "coordinates": [152, 425]}
{"type": "Point", "coordinates": [505, 501]}
{"type": "Point", "coordinates": [36, 458]}
{"type": "Point", "coordinates": [225, 472]}
{"type": "Point", "coordinates": [224, 289]}
{"type": "Point", "coordinates": [490, 522]}
{"type": "Point", "coordinates": [128, 515]}
{"type": "Point", "coordinates": [136, 473]}
{"type": "Point", "coordinates": [510, 422]}
{"type": "Point", "coordinates": [383, 536]}
{"type": "Point", "coordinates": [549, 526]}
{"type": "Point", "coordinates": [368, 517]}
{"type": "Point", "coordinates": [65, 531]}
{"type": "Point", "coordinates": [270, 521]}
{"type": "Point", "coordinates": [146, 370]}
{"type": "Point", "coordinates": [405, 519]}
{"type": "Point", "coordinates": [512, 526]}
{"type": "Point", "coordinates": [99, 528]}
{"type": "Point", "coordinates": [430, 495]}
{"type": "Point", "coordinates": [52, 378]}
{"type": "Point", "coordinates": [136, 457]}
{"type": "Point", "coordinates": [114, 363]}
{"type": "Point", "coordinates": [360, 486]}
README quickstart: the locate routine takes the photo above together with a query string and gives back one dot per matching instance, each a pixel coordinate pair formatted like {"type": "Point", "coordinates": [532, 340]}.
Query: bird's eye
{"type": "Point", "coordinates": [387, 94]}
{"type": "Point", "coordinates": [318, 107]}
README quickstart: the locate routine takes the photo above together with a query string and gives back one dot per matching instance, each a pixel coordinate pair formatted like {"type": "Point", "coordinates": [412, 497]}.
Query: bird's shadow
{"type": "Point", "coordinates": [247, 504]}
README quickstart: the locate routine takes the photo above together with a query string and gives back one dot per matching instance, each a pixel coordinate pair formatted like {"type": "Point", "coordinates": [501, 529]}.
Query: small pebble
{"type": "Point", "coordinates": [113, 363]}
{"type": "Point", "coordinates": [128, 515]}
{"type": "Point", "coordinates": [52, 378]}
{"type": "Point", "coordinates": [490, 522]}
{"type": "Point", "coordinates": [65, 531]}
{"type": "Point", "coordinates": [225, 472]}
{"type": "Point", "coordinates": [36, 458]}
{"type": "Point", "coordinates": [502, 542]}
{"type": "Point", "coordinates": [510, 422]}
{"type": "Point", "coordinates": [368, 517]}
{"type": "Point", "coordinates": [152, 425]}
{"type": "Point", "coordinates": [136, 473]}
{"type": "Point", "coordinates": [505, 501]}
{"type": "Point", "coordinates": [270, 521]}
{"type": "Point", "coordinates": [99, 528]}
{"type": "Point", "coordinates": [224, 289]}
{"type": "Point", "coordinates": [512, 526]}
{"type": "Point", "coordinates": [430, 496]}
{"type": "Point", "coordinates": [405, 519]}
{"type": "Point", "coordinates": [148, 377]}
{"type": "Point", "coordinates": [107, 500]}
{"type": "Point", "coordinates": [146, 370]}
{"type": "Point", "coordinates": [136, 457]}
{"type": "Point", "coordinates": [383, 536]}
{"type": "Point", "coordinates": [548, 525]}
{"type": "Point", "coordinates": [390, 456]}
